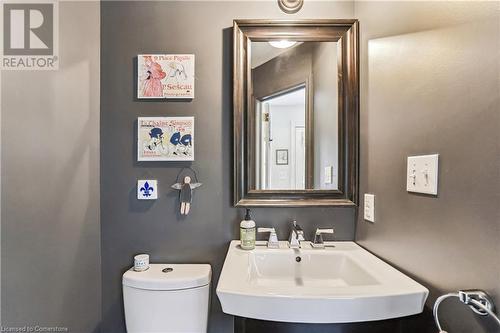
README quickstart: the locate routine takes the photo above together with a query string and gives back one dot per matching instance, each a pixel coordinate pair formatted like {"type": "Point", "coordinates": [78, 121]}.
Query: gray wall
{"type": "Point", "coordinates": [50, 183]}
{"type": "Point", "coordinates": [290, 68]}
{"type": "Point", "coordinates": [128, 226]}
{"type": "Point", "coordinates": [326, 131]}
{"type": "Point", "coordinates": [430, 84]}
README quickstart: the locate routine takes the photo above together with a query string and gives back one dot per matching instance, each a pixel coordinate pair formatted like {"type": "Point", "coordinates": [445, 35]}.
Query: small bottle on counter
{"type": "Point", "coordinates": [247, 232]}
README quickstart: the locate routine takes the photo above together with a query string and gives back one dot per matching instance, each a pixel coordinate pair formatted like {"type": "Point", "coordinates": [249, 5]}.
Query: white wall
{"type": "Point", "coordinates": [325, 100]}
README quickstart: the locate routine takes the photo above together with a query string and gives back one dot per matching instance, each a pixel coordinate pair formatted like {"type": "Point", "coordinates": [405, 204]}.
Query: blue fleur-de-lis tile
{"type": "Point", "coordinates": [147, 189]}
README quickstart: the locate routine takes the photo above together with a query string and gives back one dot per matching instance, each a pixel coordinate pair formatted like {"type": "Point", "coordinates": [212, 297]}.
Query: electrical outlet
{"type": "Point", "coordinates": [369, 209]}
{"type": "Point", "coordinates": [328, 174]}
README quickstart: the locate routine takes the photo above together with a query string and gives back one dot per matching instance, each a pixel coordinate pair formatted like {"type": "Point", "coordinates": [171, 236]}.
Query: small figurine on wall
{"type": "Point", "coordinates": [186, 193]}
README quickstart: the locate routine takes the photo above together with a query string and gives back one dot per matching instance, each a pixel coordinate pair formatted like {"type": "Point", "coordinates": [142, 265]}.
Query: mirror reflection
{"type": "Point", "coordinates": [294, 89]}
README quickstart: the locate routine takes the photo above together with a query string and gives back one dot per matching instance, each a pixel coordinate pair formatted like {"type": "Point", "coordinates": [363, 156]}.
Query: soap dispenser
{"type": "Point", "coordinates": [247, 232]}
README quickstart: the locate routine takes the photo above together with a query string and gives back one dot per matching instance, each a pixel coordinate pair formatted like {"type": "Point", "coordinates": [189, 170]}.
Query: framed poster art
{"type": "Point", "coordinates": [281, 156]}
{"type": "Point", "coordinates": [165, 139]}
{"type": "Point", "coordinates": [165, 76]}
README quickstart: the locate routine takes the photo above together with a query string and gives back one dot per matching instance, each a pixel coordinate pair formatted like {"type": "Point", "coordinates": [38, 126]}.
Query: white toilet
{"type": "Point", "coordinates": [167, 298]}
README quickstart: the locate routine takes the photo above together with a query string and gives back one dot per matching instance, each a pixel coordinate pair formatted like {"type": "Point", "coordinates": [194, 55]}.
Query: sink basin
{"type": "Point", "coordinates": [316, 270]}
{"type": "Point", "coordinates": [341, 283]}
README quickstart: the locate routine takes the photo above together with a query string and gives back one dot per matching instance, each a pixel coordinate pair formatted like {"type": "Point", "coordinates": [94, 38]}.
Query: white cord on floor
{"type": "Point", "coordinates": [477, 304]}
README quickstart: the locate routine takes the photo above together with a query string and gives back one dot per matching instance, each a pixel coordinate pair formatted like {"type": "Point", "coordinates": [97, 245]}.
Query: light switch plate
{"type": "Point", "coordinates": [369, 209]}
{"type": "Point", "coordinates": [422, 174]}
{"type": "Point", "coordinates": [147, 189]}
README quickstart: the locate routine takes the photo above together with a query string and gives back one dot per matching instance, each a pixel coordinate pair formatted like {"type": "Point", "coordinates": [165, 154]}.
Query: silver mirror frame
{"type": "Point", "coordinates": [345, 32]}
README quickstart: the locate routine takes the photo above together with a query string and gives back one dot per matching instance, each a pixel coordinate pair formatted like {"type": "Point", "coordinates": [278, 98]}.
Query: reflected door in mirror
{"type": "Point", "coordinates": [281, 142]}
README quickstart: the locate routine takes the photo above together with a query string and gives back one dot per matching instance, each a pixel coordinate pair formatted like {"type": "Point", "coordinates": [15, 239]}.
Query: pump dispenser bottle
{"type": "Point", "coordinates": [247, 232]}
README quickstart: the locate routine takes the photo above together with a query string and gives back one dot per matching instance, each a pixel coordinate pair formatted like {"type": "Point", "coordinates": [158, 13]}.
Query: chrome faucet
{"type": "Point", "coordinates": [296, 236]}
{"type": "Point", "coordinates": [273, 242]}
{"type": "Point", "coordinates": [318, 239]}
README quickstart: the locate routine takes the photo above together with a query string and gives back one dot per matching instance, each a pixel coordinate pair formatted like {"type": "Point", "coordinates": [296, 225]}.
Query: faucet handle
{"type": "Point", "coordinates": [296, 235]}
{"type": "Point", "coordinates": [318, 239]}
{"type": "Point", "coordinates": [296, 226]}
{"type": "Point", "coordinates": [273, 238]}
{"type": "Point", "coordinates": [298, 229]}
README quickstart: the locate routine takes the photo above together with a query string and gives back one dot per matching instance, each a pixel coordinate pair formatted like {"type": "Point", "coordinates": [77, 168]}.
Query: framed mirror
{"type": "Point", "coordinates": [296, 112]}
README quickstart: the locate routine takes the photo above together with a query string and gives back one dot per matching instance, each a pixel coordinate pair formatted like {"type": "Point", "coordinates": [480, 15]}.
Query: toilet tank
{"type": "Point", "coordinates": [167, 298]}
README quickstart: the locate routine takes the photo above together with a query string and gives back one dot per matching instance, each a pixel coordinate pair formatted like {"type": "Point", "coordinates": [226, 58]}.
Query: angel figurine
{"type": "Point", "coordinates": [186, 195]}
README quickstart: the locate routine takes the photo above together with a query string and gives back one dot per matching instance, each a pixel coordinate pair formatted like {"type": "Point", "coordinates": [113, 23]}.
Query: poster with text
{"type": "Point", "coordinates": [165, 76]}
{"type": "Point", "coordinates": [165, 139]}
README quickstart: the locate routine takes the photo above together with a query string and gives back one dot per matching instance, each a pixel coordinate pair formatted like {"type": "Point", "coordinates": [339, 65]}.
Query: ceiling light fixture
{"type": "Point", "coordinates": [290, 6]}
{"type": "Point", "coordinates": [282, 44]}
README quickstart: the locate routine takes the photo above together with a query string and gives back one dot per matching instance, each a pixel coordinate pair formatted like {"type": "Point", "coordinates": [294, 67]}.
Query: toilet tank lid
{"type": "Point", "coordinates": [169, 277]}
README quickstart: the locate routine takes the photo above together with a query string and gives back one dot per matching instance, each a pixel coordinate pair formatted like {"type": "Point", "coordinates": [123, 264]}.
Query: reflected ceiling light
{"type": "Point", "coordinates": [282, 44]}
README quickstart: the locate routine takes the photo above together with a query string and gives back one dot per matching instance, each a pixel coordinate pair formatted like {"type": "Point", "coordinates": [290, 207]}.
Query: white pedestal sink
{"type": "Point", "coordinates": [341, 283]}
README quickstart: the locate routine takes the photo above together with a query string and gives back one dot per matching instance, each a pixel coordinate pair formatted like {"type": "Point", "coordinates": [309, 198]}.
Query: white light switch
{"type": "Point", "coordinates": [328, 174]}
{"type": "Point", "coordinates": [422, 174]}
{"type": "Point", "coordinates": [369, 208]}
